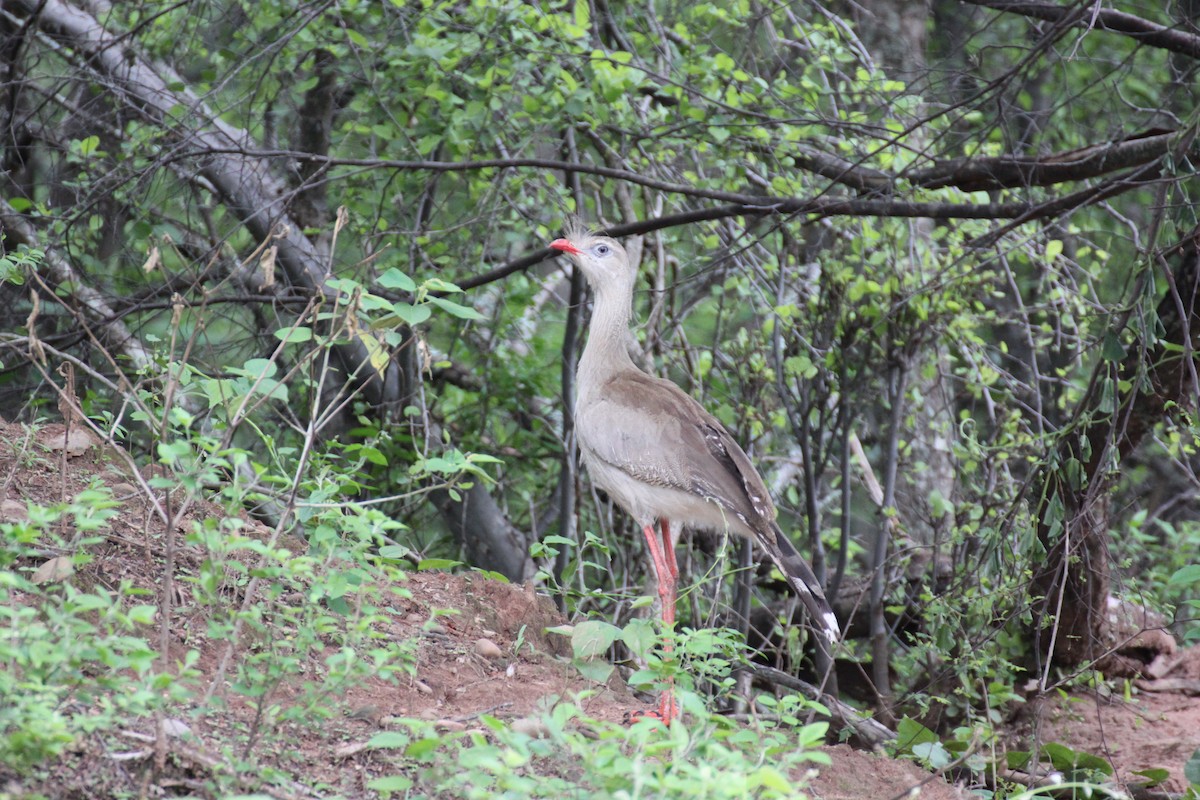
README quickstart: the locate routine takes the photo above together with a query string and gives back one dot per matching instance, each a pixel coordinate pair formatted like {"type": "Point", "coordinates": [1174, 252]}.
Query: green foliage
{"type": "Point", "coordinates": [1191, 771]}
{"type": "Point", "coordinates": [329, 601]}
{"type": "Point", "coordinates": [1072, 769]}
{"type": "Point", "coordinates": [1158, 558]}
{"type": "Point", "coordinates": [16, 262]}
{"type": "Point", "coordinates": [305, 625]}
{"type": "Point", "coordinates": [73, 659]}
{"type": "Point", "coordinates": [573, 754]}
{"type": "Point", "coordinates": [790, 327]}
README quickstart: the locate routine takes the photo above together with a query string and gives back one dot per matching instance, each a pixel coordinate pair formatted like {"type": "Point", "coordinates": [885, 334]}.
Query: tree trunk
{"type": "Point", "coordinates": [245, 185]}
{"type": "Point", "coordinates": [1070, 587]}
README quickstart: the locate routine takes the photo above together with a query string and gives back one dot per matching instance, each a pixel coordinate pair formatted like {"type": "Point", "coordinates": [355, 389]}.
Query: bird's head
{"type": "Point", "coordinates": [602, 259]}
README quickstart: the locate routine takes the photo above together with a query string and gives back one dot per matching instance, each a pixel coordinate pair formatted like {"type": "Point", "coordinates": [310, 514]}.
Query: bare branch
{"type": "Point", "coordinates": [1106, 19]}
{"type": "Point", "coordinates": [968, 174]}
{"type": "Point", "coordinates": [1021, 212]}
{"type": "Point", "coordinates": [1006, 172]}
{"type": "Point", "coordinates": [94, 304]}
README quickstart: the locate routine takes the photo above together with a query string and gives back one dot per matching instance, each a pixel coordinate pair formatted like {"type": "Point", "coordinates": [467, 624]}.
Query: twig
{"type": "Point", "coordinates": [478, 714]}
{"type": "Point", "coordinates": [869, 730]}
{"type": "Point", "coordinates": [214, 763]}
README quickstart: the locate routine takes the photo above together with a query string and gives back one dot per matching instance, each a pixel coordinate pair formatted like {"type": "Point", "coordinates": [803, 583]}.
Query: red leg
{"type": "Point", "coordinates": [667, 708]}
{"type": "Point", "coordinates": [668, 548]}
{"type": "Point", "coordinates": [668, 575]}
{"type": "Point", "coordinates": [667, 571]}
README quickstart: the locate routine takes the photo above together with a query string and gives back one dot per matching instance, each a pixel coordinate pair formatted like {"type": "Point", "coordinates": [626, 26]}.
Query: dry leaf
{"type": "Point", "coordinates": [152, 261]}
{"type": "Point", "coordinates": [56, 570]}
{"type": "Point", "coordinates": [267, 264]}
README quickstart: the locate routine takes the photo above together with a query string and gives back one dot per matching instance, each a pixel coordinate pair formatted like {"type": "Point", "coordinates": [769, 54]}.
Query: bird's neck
{"type": "Point", "coordinates": [607, 350]}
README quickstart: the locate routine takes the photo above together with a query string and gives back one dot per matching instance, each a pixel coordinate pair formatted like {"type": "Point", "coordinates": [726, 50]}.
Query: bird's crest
{"type": "Point", "coordinates": [577, 230]}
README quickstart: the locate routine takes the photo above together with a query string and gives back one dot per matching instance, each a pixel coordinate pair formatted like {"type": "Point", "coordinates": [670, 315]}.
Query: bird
{"type": "Point", "coordinates": [659, 454]}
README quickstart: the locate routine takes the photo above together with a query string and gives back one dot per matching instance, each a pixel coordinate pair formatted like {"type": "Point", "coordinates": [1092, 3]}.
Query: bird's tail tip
{"type": "Point", "coordinates": [832, 630]}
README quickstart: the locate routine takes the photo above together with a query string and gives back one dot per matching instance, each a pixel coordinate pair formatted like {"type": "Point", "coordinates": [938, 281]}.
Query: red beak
{"type": "Point", "coordinates": [565, 246]}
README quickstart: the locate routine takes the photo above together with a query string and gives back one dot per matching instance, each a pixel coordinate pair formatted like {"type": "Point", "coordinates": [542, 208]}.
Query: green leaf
{"type": "Point", "coordinates": [427, 564]}
{"type": "Point", "coordinates": [89, 145]}
{"type": "Point", "coordinates": [1112, 349]}
{"type": "Point", "coordinates": [1153, 776]}
{"type": "Point", "coordinates": [1191, 770]}
{"type": "Point", "coordinates": [910, 733]}
{"type": "Point", "coordinates": [407, 313]}
{"type": "Point", "coordinates": [377, 354]}
{"type": "Point", "coordinates": [1065, 759]}
{"type": "Point", "coordinates": [391, 783]}
{"type": "Point", "coordinates": [640, 636]}
{"type": "Point", "coordinates": [395, 279]}
{"type": "Point", "coordinates": [598, 670]}
{"type": "Point", "coordinates": [593, 637]}
{"type": "Point", "coordinates": [439, 285]}
{"type": "Point", "coordinates": [933, 754]}
{"type": "Point", "coordinates": [492, 575]}
{"type": "Point", "coordinates": [423, 747]}
{"type": "Point", "coordinates": [456, 309]}
{"type": "Point", "coordinates": [1093, 762]}
{"type": "Point", "coordinates": [143, 614]}
{"type": "Point", "coordinates": [390, 739]}
{"type": "Point", "coordinates": [256, 367]}
{"type": "Point", "coordinates": [294, 335]}
{"type": "Point", "coordinates": [343, 285]}
{"type": "Point", "coordinates": [1186, 575]}
{"type": "Point", "coordinates": [373, 456]}
{"type": "Point", "coordinates": [394, 552]}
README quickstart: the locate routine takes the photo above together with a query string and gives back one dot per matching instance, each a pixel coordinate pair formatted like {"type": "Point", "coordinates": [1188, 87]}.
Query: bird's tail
{"type": "Point", "coordinates": [803, 581]}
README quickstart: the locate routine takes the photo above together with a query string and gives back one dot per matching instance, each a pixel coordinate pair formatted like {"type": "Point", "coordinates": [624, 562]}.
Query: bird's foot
{"type": "Point", "coordinates": [667, 710]}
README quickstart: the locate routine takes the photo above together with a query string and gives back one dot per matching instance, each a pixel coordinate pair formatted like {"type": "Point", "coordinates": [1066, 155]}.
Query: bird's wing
{"type": "Point", "coordinates": [655, 433]}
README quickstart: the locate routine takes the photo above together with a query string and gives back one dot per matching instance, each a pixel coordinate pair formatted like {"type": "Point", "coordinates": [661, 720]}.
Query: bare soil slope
{"type": "Point", "coordinates": [457, 678]}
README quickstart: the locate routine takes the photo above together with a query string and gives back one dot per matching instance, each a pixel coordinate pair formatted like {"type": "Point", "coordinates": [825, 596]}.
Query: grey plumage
{"type": "Point", "coordinates": [653, 448]}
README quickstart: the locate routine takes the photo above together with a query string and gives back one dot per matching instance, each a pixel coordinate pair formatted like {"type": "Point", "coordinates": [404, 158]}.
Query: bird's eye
{"type": "Point", "coordinates": [603, 249]}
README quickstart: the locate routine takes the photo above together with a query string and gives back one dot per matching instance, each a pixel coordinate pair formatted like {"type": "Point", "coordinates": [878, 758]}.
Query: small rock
{"type": "Point", "coordinates": [423, 687]}
{"type": "Point", "coordinates": [75, 442]}
{"type": "Point", "coordinates": [351, 749]}
{"type": "Point", "coordinates": [175, 728]}
{"type": "Point", "coordinates": [488, 649]}
{"type": "Point", "coordinates": [449, 725]}
{"type": "Point", "coordinates": [13, 511]}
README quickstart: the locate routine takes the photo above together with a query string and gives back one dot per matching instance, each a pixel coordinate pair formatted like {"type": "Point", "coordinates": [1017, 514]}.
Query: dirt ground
{"type": "Point", "coordinates": [458, 679]}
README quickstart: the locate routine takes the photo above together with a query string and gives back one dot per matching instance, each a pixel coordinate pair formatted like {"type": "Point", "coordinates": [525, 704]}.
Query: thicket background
{"type": "Point", "coordinates": [934, 265]}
